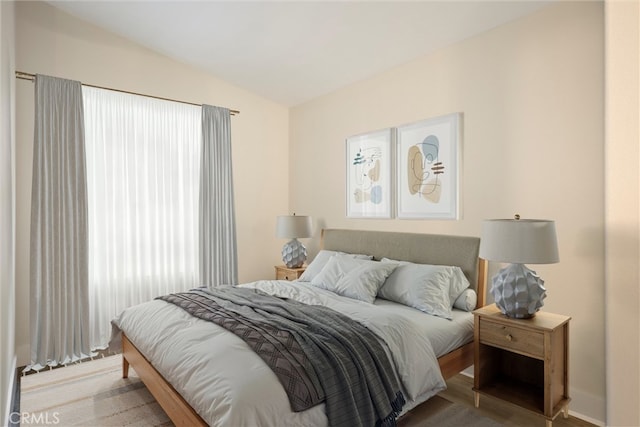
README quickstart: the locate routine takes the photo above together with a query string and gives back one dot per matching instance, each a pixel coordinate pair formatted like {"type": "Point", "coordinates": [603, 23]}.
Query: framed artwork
{"type": "Point", "coordinates": [369, 175]}
{"type": "Point", "coordinates": [428, 154]}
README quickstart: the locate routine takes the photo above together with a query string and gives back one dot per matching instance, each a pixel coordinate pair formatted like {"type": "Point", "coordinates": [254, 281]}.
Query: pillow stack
{"type": "Point", "coordinates": [433, 289]}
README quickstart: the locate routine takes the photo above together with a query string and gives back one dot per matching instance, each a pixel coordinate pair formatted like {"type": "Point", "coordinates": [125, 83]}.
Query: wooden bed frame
{"type": "Point", "coordinates": [420, 248]}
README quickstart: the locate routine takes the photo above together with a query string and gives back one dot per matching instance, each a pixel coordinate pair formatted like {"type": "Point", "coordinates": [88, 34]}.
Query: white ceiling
{"type": "Point", "coordinates": [294, 51]}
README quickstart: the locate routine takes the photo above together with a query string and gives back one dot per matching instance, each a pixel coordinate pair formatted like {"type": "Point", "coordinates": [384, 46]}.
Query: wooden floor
{"type": "Point", "coordinates": [459, 391]}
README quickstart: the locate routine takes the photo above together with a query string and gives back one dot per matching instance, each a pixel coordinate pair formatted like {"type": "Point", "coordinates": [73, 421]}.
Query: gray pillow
{"type": "Point", "coordinates": [458, 282]}
{"type": "Point", "coordinates": [421, 286]}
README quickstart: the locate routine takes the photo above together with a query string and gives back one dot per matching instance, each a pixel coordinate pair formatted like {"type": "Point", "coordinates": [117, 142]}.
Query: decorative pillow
{"type": "Point", "coordinates": [467, 300]}
{"type": "Point", "coordinates": [459, 283]}
{"type": "Point", "coordinates": [321, 260]}
{"type": "Point", "coordinates": [421, 286]}
{"type": "Point", "coordinates": [353, 278]}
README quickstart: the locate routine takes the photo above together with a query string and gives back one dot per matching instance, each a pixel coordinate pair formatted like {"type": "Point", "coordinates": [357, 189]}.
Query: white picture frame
{"type": "Point", "coordinates": [428, 163]}
{"type": "Point", "coordinates": [369, 175]}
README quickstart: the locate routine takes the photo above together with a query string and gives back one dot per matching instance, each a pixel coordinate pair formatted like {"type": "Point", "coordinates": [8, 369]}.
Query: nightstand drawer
{"type": "Point", "coordinates": [523, 341]}
{"type": "Point", "coordinates": [285, 273]}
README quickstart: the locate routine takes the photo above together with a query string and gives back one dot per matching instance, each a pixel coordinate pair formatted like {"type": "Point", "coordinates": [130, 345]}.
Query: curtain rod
{"type": "Point", "coordinates": [32, 77]}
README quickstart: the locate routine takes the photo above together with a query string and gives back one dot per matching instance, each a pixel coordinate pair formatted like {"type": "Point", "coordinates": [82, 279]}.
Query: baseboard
{"type": "Point", "coordinates": [586, 418]}
{"type": "Point", "coordinates": [15, 400]}
{"type": "Point", "coordinates": [587, 407]}
{"type": "Point", "coordinates": [10, 402]}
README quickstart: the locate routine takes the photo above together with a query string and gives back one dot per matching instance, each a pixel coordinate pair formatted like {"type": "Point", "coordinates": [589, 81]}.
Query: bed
{"type": "Point", "coordinates": [142, 338]}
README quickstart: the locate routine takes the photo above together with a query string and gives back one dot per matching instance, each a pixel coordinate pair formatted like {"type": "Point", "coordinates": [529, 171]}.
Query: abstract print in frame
{"type": "Point", "coordinates": [369, 175]}
{"type": "Point", "coordinates": [428, 153]}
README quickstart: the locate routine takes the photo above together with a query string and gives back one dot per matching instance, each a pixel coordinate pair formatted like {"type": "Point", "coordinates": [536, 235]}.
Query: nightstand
{"type": "Point", "coordinates": [286, 273]}
{"type": "Point", "coordinates": [523, 361]}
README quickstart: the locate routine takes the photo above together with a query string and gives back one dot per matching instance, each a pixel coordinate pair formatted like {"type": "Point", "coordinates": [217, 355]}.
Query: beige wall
{"type": "Point", "coordinates": [532, 95]}
{"type": "Point", "coordinates": [623, 212]}
{"type": "Point", "coordinates": [7, 210]}
{"type": "Point", "coordinates": [54, 43]}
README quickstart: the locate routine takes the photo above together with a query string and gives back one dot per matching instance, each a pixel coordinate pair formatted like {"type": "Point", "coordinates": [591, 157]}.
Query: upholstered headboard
{"type": "Point", "coordinates": [433, 249]}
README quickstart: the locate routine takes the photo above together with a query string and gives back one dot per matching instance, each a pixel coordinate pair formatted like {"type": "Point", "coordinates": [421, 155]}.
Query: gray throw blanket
{"type": "Point", "coordinates": [342, 362]}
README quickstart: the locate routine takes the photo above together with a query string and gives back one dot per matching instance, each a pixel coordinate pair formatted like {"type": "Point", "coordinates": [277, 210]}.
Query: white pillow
{"type": "Point", "coordinates": [353, 278]}
{"type": "Point", "coordinates": [321, 260]}
{"type": "Point", "coordinates": [467, 300]}
{"type": "Point", "coordinates": [421, 286]}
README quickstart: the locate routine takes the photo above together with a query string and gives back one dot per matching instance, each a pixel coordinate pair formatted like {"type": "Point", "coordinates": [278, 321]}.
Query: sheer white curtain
{"type": "Point", "coordinates": [143, 165]}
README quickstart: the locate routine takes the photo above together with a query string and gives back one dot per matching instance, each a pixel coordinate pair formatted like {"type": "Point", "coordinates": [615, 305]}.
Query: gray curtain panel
{"type": "Point", "coordinates": [218, 254]}
{"type": "Point", "coordinates": [59, 235]}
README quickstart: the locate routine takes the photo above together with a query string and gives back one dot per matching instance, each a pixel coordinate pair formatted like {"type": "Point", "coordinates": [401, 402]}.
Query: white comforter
{"type": "Point", "coordinates": [229, 385]}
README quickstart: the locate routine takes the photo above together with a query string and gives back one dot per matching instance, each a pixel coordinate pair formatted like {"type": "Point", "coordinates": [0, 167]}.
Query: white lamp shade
{"type": "Point", "coordinates": [293, 226]}
{"type": "Point", "coordinates": [519, 241]}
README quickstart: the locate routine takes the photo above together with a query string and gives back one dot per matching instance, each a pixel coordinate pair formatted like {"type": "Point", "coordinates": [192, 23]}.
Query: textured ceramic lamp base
{"type": "Point", "coordinates": [294, 254]}
{"type": "Point", "coordinates": [518, 291]}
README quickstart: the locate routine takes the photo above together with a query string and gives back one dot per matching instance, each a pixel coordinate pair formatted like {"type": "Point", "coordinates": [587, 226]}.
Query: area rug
{"type": "Point", "coordinates": [89, 394]}
{"type": "Point", "coordinates": [95, 394]}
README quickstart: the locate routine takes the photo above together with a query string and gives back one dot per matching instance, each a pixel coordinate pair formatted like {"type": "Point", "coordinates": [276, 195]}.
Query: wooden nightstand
{"type": "Point", "coordinates": [286, 273]}
{"type": "Point", "coordinates": [523, 361]}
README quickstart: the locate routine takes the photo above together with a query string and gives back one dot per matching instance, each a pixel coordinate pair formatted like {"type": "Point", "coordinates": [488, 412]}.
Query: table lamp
{"type": "Point", "coordinates": [293, 227]}
{"type": "Point", "coordinates": [517, 290]}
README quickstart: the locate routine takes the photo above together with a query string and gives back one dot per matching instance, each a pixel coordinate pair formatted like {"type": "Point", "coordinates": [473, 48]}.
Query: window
{"type": "Point", "coordinates": [143, 163]}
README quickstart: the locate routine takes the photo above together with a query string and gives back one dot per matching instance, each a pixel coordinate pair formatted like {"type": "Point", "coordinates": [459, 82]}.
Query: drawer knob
{"type": "Point", "coordinates": [509, 337]}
